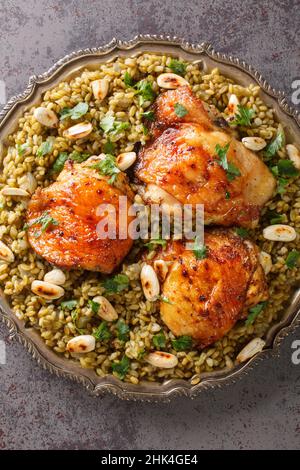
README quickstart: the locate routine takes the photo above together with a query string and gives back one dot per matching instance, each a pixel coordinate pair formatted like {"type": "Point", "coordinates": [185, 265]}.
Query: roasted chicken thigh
{"type": "Point", "coordinates": [182, 164]}
{"type": "Point", "coordinates": [62, 219]}
{"type": "Point", "coordinates": [206, 297]}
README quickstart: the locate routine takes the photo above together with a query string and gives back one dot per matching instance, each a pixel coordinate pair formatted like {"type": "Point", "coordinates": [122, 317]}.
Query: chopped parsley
{"type": "Point", "coordinates": [281, 184]}
{"type": "Point", "coordinates": [177, 67]}
{"type": "Point", "coordinates": [116, 284]}
{"type": "Point", "coordinates": [292, 259]}
{"type": "Point", "coordinates": [110, 126]}
{"type": "Point", "coordinates": [44, 148]}
{"type": "Point", "coordinates": [274, 217]}
{"type": "Point", "coordinates": [165, 299]}
{"type": "Point", "coordinates": [128, 80]}
{"type": "Point", "coordinates": [180, 110]}
{"type": "Point", "coordinates": [145, 130]}
{"type": "Point", "coordinates": [231, 170]}
{"type": "Point", "coordinates": [227, 195]}
{"type": "Point", "coordinates": [74, 113]}
{"type": "Point", "coordinates": [64, 156]}
{"type": "Point", "coordinates": [200, 251]}
{"type": "Point", "coordinates": [149, 115]}
{"type": "Point", "coordinates": [22, 148]}
{"type": "Point", "coordinates": [122, 331]}
{"type": "Point", "coordinates": [68, 304]}
{"type": "Point", "coordinates": [108, 167]}
{"type": "Point", "coordinates": [254, 312]}
{"type": "Point", "coordinates": [152, 245]}
{"type": "Point", "coordinates": [182, 343]}
{"type": "Point", "coordinates": [94, 306]}
{"type": "Point", "coordinates": [45, 221]}
{"type": "Point", "coordinates": [285, 168]}
{"type": "Point", "coordinates": [242, 232]}
{"type": "Point", "coordinates": [121, 368]}
{"type": "Point", "coordinates": [276, 144]}
{"type": "Point", "coordinates": [159, 340]}
{"type": "Point", "coordinates": [145, 92]}
{"type": "Point", "coordinates": [109, 147]}
{"type": "Point", "coordinates": [243, 116]}
{"type": "Point", "coordinates": [102, 333]}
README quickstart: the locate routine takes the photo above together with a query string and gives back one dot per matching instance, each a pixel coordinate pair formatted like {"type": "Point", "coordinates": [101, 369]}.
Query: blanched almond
{"type": "Point", "coordinates": [170, 81]}
{"type": "Point", "coordinates": [17, 192]}
{"type": "Point", "coordinates": [252, 348]}
{"type": "Point", "coordinates": [254, 143]}
{"type": "Point", "coordinates": [266, 261]}
{"type": "Point", "coordinates": [79, 131]}
{"type": "Point", "coordinates": [233, 103]}
{"type": "Point", "coordinates": [47, 290]}
{"type": "Point", "coordinates": [161, 269]}
{"type": "Point", "coordinates": [106, 310]}
{"type": "Point", "coordinates": [150, 283]}
{"type": "Point", "coordinates": [56, 276]}
{"type": "Point", "coordinates": [81, 344]}
{"type": "Point", "coordinates": [161, 359]}
{"type": "Point", "coordinates": [169, 204]}
{"type": "Point", "coordinates": [100, 88]}
{"type": "Point", "coordinates": [125, 160]}
{"type": "Point", "coordinates": [28, 182]}
{"type": "Point", "coordinates": [279, 233]}
{"type": "Point", "coordinates": [294, 155]}
{"type": "Point", "coordinates": [6, 254]}
{"type": "Point", "coordinates": [45, 116]}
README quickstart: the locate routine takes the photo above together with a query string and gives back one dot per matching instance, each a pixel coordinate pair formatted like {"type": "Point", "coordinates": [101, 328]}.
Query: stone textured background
{"type": "Point", "coordinates": [39, 411]}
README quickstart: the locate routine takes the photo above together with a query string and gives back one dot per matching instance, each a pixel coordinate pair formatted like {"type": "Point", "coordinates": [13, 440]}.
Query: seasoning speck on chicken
{"type": "Point", "coordinates": [70, 238]}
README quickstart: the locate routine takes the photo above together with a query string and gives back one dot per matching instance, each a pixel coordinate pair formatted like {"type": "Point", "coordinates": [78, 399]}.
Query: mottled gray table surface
{"type": "Point", "coordinates": [40, 411]}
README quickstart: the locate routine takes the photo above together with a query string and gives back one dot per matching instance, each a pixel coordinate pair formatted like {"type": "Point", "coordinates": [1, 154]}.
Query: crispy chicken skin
{"type": "Point", "coordinates": [72, 201]}
{"type": "Point", "coordinates": [182, 160]}
{"type": "Point", "coordinates": [208, 296]}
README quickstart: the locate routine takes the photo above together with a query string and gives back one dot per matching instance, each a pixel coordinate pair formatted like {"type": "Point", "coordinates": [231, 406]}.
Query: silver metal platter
{"type": "Point", "coordinates": [72, 65]}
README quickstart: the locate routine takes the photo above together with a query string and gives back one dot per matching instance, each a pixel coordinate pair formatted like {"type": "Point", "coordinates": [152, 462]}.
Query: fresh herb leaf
{"type": "Point", "coordinates": [152, 245]}
{"type": "Point", "coordinates": [231, 170]}
{"type": "Point", "coordinates": [200, 251]}
{"type": "Point", "coordinates": [254, 312]}
{"type": "Point", "coordinates": [145, 91]}
{"type": "Point", "coordinates": [180, 110]}
{"type": "Point", "coordinates": [287, 168]}
{"type": "Point", "coordinates": [122, 330]}
{"type": "Point", "coordinates": [159, 340]}
{"type": "Point", "coordinates": [109, 147]}
{"type": "Point", "coordinates": [21, 149]}
{"type": "Point", "coordinates": [177, 67]}
{"type": "Point", "coordinates": [242, 232]}
{"type": "Point", "coordinates": [274, 217]}
{"type": "Point", "coordinates": [94, 306]}
{"type": "Point", "coordinates": [108, 167]}
{"type": "Point", "coordinates": [145, 130]}
{"type": "Point", "coordinates": [243, 116]}
{"type": "Point", "coordinates": [102, 333]}
{"type": "Point", "coordinates": [44, 148]}
{"type": "Point", "coordinates": [281, 185]}
{"type": "Point", "coordinates": [182, 343]}
{"type": "Point", "coordinates": [79, 157]}
{"type": "Point", "coordinates": [128, 80]}
{"type": "Point", "coordinates": [110, 126]}
{"type": "Point", "coordinates": [64, 156]}
{"type": "Point", "coordinates": [276, 144]}
{"type": "Point", "coordinates": [292, 259]}
{"type": "Point", "coordinates": [68, 304]}
{"type": "Point", "coordinates": [74, 316]}
{"type": "Point", "coordinates": [149, 115]}
{"type": "Point", "coordinates": [74, 113]}
{"type": "Point", "coordinates": [116, 283]}
{"type": "Point", "coordinates": [165, 299]}
{"type": "Point", "coordinates": [227, 195]}
{"type": "Point", "coordinates": [45, 220]}
{"type": "Point", "coordinates": [121, 368]}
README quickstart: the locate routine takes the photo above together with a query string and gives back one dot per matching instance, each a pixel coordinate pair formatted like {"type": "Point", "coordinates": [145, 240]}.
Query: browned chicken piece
{"type": "Point", "coordinates": [68, 210]}
{"type": "Point", "coordinates": [207, 296]}
{"type": "Point", "coordinates": [182, 160]}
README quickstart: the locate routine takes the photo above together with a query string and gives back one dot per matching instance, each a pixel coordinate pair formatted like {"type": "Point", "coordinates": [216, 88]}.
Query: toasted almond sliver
{"type": "Point", "coordinates": [169, 204]}
{"type": "Point", "coordinates": [79, 131]}
{"type": "Point", "coordinates": [170, 81]}
{"type": "Point", "coordinates": [255, 346]}
{"type": "Point", "coordinates": [254, 143]}
{"type": "Point", "coordinates": [17, 192]}
{"type": "Point", "coordinates": [162, 359]}
{"type": "Point", "coordinates": [28, 182]}
{"type": "Point", "coordinates": [47, 290]}
{"type": "Point", "coordinates": [100, 88]}
{"type": "Point", "coordinates": [150, 283]}
{"type": "Point", "coordinates": [279, 233]}
{"type": "Point", "coordinates": [232, 106]}
{"type": "Point", "coordinates": [45, 116]}
{"type": "Point", "coordinates": [6, 254]}
{"type": "Point", "coordinates": [81, 344]}
{"type": "Point", "coordinates": [125, 160]}
{"type": "Point", "coordinates": [56, 276]}
{"type": "Point", "coordinates": [161, 269]}
{"type": "Point", "coordinates": [294, 155]}
{"type": "Point", "coordinates": [266, 261]}
{"type": "Point", "coordinates": [106, 310]}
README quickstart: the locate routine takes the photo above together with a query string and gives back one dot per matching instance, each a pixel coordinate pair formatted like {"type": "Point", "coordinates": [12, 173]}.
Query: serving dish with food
{"type": "Point", "coordinates": [161, 122]}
